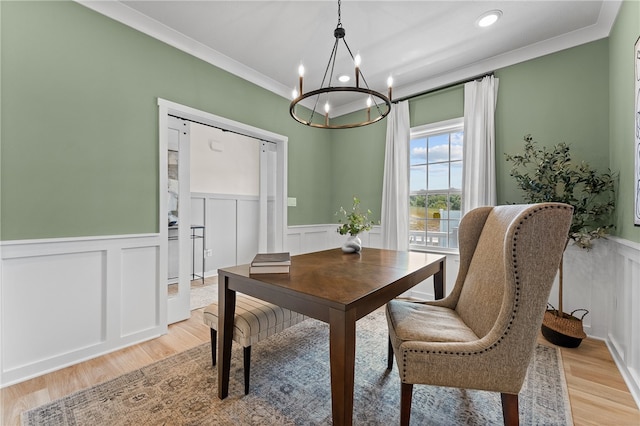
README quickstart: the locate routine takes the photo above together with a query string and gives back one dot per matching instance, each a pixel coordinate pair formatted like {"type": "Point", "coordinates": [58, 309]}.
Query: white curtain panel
{"type": "Point", "coordinates": [479, 168]}
{"type": "Point", "coordinates": [395, 190]}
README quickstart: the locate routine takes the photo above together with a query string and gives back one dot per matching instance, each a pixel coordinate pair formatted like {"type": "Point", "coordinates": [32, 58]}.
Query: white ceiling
{"type": "Point", "coordinates": [423, 44]}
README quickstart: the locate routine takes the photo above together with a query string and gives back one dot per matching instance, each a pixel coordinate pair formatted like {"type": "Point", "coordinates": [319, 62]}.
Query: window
{"type": "Point", "coordinates": [435, 184]}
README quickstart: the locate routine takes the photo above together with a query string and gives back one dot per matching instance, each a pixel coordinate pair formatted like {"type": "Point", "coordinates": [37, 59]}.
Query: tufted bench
{"type": "Point", "coordinates": [254, 321]}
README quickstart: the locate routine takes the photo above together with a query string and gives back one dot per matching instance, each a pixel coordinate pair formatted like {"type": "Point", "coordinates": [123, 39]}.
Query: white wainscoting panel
{"type": "Point", "coordinates": [140, 294]}
{"type": "Point", "coordinates": [248, 215]}
{"type": "Point", "coordinates": [309, 238]}
{"type": "Point", "coordinates": [623, 337]}
{"type": "Point", "coordinates": [71, 299]}
{"type": "Point", "coordinates": [587, 284]}
{"type": "Point", "coordinates": [221, 225]}
{"type": "Point", "coordinates": [41, 315]}
{"type": "Point", "coordinates": [66, 300]}
{"type": "Point", "coordinates": [231, 229]}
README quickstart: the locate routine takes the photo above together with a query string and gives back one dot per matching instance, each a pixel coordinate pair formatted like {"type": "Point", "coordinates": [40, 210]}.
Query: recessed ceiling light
{"type": "Point", "coordinates": [489, 18]}
{"type": "Point", "coordinates": [344, 78]}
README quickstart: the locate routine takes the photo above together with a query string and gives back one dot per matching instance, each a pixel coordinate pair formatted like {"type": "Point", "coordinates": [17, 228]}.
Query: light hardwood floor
{"type": "Point", "coordinates": [597, 391]}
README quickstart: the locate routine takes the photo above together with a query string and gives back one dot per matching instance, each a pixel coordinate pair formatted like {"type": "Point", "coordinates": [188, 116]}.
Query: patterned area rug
{"type": "Point", "coordinates": [290, 386]}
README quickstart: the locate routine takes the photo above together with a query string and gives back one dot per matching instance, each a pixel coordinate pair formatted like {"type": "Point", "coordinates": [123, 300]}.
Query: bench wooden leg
{"type": "Point", "coordinates": [390, 356]}
{"type": "Point", "coordinates": [246, 358]}
{"type": "Point", "coordinates": [247, 367]}
{"type": "Point", "coordinates": [214, 343]}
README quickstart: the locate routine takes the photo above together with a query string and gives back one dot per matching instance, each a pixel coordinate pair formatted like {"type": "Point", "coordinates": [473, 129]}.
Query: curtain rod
{"type": "Point", "coordinates": [215, 127]}
{"type": "Point", "coordinates": [448, 86]}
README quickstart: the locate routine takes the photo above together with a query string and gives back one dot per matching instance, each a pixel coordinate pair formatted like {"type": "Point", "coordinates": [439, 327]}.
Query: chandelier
{"type": "Point", "coordinates": [375, 105]}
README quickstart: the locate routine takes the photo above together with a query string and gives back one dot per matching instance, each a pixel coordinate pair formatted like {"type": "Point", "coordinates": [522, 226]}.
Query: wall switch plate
{"type": "Point", "coordinates": [208, 253]}
{"type": "Point", "coordinates": [292, 201]}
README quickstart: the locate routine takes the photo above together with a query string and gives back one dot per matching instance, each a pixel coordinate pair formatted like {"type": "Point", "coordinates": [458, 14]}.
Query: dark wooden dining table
{"type": "Point", "coordinates": [334, 287]}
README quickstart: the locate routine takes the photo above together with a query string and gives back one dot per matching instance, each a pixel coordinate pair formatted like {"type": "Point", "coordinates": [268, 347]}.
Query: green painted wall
{"type": "Point", "coordinates": [79, 136]}
{"type": "Point", "coordinates": [357, 162]}
{"type": "Point", "coordinates": [79, 155]}
{"type": "Point", "coordinates": [562, 97]}
{"type": "Point", "coordinates": [559, 97]}
{"type": "Point", "coordinates": [621, 114]}
{"type": "Point", "coordinates": [357, 156]}
{"type": "Point", "coordinates": [438, 106]}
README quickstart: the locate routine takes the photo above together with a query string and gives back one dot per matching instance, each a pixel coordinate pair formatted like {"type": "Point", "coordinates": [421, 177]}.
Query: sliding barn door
{"type": "Point", "coordinates": [268, 229]}
{"type": "Point", "coordinates": [178, 220]}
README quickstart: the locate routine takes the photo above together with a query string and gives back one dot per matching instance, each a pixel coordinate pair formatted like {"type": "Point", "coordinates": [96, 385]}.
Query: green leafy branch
{"type": "Point", "coordinates": [354, 221]}
{"type": "Point", "coordinates": [548, 175]}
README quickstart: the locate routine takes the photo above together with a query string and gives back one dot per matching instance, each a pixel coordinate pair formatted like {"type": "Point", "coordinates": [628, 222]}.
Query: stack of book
{"type": "Point", "coordinates": [270, 263]}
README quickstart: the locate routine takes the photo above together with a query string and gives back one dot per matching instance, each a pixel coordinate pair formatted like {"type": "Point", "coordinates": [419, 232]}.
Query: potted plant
{"type": "Point", "coordinates": [549, 175]}
{"type": "Point", "coordinates": [353, 223]}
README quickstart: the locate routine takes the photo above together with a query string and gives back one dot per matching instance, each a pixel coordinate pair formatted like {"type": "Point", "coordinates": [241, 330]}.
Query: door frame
{"type": "Point", "coordinates": [166, 108]}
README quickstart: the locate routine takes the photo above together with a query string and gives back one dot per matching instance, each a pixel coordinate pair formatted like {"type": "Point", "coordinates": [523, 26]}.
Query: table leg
{"type": "Point", "coordinates": [439, 281]}
{"type": "Point", "coordinates": [226, 313]}
{"type": "Point", "coordinates": [342, 344]}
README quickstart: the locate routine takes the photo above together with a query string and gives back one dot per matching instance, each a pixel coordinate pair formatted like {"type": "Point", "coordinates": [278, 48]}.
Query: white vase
{"type": "Point", "coordinates": [352, 245]}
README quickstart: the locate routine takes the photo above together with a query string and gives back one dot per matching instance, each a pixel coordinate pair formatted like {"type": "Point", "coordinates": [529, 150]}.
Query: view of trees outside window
{"type": "Point", "coordinates": [435, 185]}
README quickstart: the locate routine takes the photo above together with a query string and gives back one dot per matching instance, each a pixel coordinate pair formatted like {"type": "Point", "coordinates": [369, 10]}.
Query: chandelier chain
{"type": "Point", "coordinates": [332, 60]}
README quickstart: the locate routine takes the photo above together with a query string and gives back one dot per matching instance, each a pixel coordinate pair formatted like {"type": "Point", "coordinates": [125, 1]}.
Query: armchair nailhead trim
{"type": "Point", "coordinates": [515, 307]}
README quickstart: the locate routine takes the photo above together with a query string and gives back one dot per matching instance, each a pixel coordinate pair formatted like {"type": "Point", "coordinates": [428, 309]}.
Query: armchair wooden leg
{"type": "Point", "coordinates": [247, 366]}
{"type": "Point", "coordinates": [214, 343]}
{"type": "Point", "coordinates": [406, 392]}
{"type": "Point", "coordinates": [510, 409]}
{"type": "Point", "coordinates": [390, 356]}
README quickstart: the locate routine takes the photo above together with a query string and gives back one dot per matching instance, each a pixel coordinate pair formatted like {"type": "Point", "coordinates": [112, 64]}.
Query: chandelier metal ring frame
{"type": "Point", "coordinates": [323, 125]}
{"type": "Point", "coordinates": [382, 105]}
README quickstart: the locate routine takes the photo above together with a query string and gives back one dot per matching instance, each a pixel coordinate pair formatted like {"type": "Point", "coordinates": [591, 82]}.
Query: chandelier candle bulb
{"type": "Point", "coordinates": [390, 84]}
{"type": "Point", "coordinates": [301, 74]}
{"type": "Point", "coordinates": [369, 108]}
{"type": "Point", "coordinates": [326, 113]}
{"type": "Point", "coordinates": [357, 61]}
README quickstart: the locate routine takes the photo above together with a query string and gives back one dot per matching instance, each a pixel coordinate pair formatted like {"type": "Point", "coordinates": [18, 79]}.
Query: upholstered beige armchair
{"type": "Point", "coordinates": [483, 334]}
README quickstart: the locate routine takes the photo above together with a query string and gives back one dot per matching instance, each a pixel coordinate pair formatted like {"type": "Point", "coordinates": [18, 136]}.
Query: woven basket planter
{"type": "Point", "coordinates": [563, 330]}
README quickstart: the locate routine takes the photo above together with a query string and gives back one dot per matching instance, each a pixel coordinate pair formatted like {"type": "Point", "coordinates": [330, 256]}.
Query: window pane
{"type": "Point", "coordinates": [455, 202]}
{"type": "Point", "coordinates": [456, 145]}
{"type": "Point", "coordinates": [456, 176]}
{"type": "Point", "coordinates": [438, 176]}
{"type": "Point", "coordinates": [417, 219]}
{"type": "Point", "coordinates": [417, 222]}
{"type": "Point", "coordinates": [417, 178]}
{"type": "Point", "coordinates": [418, 201]}
{"type": "Point", "coordinates": [436, 202]}
{"type": "Point", "coordinates": [418, 151]}
{"type": "Point", "coordinates": [438, 148]}
{"type": "Point", "coordinates": [436, 161]}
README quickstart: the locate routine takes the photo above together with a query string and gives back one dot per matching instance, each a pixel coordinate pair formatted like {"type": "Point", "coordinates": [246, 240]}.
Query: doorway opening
{"type": "Point", "coordinates": [256, 222]}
